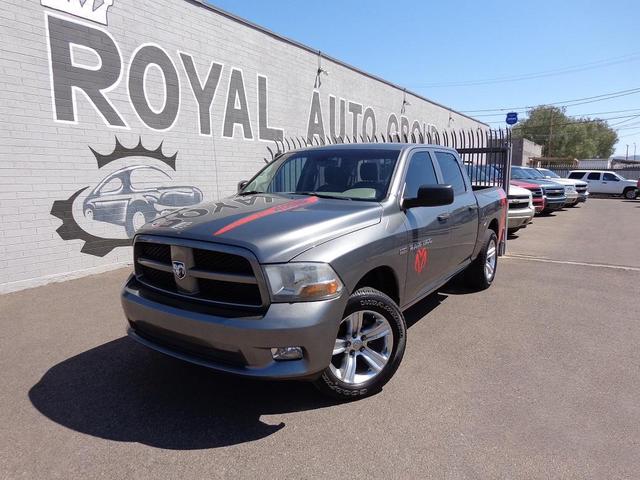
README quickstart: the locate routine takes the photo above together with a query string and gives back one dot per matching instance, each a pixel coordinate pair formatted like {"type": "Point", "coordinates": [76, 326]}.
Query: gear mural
{"type": "Point", "coordinates": [128, 197]}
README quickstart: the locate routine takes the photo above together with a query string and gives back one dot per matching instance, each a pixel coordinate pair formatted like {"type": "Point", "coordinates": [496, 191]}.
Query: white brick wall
{"type": "Point", "coordinates": [43, 160]}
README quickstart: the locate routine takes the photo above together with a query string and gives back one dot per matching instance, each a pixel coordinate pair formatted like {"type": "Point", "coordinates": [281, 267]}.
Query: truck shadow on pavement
{"type": "Point", "coordinates": [125, 392]}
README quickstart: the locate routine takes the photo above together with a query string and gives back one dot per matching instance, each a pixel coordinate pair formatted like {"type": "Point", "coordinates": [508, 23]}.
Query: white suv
{"type": "Point", "coordinates": [606, 182]}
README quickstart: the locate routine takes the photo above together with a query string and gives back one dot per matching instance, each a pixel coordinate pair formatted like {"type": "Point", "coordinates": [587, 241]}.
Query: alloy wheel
{"type": "Point", "coordinates": [362, 348]}
{"type": "Point", "coordinates": [490, 262]}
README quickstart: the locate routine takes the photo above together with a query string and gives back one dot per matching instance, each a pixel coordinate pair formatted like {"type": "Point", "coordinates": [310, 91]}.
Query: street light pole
{"type": "Point", "coordinates": [626, 157]}
{"type": "Point", "coordinates": [634, 152]}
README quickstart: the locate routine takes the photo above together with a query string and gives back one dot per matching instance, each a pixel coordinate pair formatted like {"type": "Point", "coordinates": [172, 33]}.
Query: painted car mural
{"type": "Point", "coordinates": [119, 200]}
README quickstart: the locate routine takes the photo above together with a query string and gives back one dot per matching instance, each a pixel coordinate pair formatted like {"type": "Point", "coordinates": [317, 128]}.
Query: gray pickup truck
{"type": "Point", "coordinates": [304, 274]}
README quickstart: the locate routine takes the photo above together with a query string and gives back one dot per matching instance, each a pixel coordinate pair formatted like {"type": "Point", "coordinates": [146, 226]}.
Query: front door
{"type": "Point", "coordinates": [611, 184]}
{"type": "Point", "coordinates": [428, 250]}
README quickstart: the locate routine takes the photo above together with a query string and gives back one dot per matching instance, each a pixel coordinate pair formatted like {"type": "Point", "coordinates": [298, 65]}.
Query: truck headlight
{"type": "Point", "coordinates": [300, 282]}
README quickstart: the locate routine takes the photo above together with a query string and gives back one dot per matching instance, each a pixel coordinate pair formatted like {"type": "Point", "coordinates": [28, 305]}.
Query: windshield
{"type": "Point", "coordinates": [356, 174]}
{"type": "Point", "coordinates": [520, 174]}
{"type": "Point", "coordinates": [549, 173]}
{"type": "Point", "coordinates": [534, 173]}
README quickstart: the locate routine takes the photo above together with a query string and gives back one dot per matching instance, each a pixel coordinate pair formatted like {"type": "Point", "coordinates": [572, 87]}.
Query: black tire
{"type": "Point", "coordinates": [372, 300]}
{"type": "Point", "coordinates": [630, 193]}
{"type": "Point", "coordinates": [475, 275]}
{"type": "Point", "coordinates": [132, 211]}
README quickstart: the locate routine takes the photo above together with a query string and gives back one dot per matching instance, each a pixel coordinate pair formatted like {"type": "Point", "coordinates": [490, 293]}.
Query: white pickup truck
{"type": "Point", "coordinates": [606, 183]}
{"type": "Point", "coordinates": [521, 209]}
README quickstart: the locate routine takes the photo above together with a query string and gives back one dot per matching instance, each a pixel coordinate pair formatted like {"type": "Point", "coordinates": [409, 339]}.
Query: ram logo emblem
{"type": "Point", "coordinates": [179, 270]}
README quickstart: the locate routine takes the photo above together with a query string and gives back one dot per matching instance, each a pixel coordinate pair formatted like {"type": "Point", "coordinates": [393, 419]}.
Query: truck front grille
{"type": "Point", "coordinates": [553, 192]}
{"type": "Point", "coordinates": [518, 203]}
{"type": "Point", "coordinates": [199, 272]}
{"type": "Point", "coordinates": [581, 188]}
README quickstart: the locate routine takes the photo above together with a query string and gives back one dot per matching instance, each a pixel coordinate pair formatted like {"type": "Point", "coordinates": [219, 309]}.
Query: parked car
{"type": "Point", "coordinates": [118, 200]}
{"type": "Point", "coordinates": [554, 193]}
{"type": "Point", "coordinates": [306, 271]}
{"type": "Point", "coordinates": [606, 182]}
{"type": "Point", "coordinates": [582, 188]}
{"type": "Point", "coordinates": [521, 209]}
{"type": "Point", "coordinates": [538, 197]}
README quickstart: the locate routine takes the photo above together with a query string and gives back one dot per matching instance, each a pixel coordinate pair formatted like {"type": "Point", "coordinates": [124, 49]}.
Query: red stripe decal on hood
{"type": "Point", "coordinates": [292, 205]}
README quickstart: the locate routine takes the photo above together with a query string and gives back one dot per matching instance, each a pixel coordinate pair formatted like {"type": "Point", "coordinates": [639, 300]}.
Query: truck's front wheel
{"type": "Point", "coordinates": [368, 348]}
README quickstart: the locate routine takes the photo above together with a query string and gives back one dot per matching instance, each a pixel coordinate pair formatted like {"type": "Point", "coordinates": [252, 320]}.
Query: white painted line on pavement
{"type": "Point", "coordinates": [568, 262]}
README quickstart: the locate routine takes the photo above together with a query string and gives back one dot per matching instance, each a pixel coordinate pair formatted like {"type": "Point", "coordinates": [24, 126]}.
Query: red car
{"type": "Point", "coordinates": [536, 192]}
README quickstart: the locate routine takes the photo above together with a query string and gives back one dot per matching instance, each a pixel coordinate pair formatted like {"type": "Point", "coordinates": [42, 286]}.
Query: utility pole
{"type": "Point", "coordinates": [549, 148]}
{"type": "Point", "coordinates": [626, 157]}
{"type": "Point", "coordinates": [634, 152]}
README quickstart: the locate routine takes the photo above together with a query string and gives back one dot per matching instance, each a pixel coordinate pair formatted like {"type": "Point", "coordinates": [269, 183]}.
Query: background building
{"type": "Point", "coordinates": [116, 111]}
{"type": "Point", "coordinates": [524, 151]}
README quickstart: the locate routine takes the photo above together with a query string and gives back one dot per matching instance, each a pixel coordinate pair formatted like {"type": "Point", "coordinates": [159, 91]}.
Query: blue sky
{"type": "Point", "coordinates": [421, 44]}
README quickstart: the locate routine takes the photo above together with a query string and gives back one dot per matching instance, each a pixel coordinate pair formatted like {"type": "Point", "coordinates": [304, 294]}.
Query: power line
{"type": "Point", "coordinates": [580, 119]}
{"type": "Point", "coordinates": [574, 115]}
{"type": "Point", "coordinates": [629, 134]}
{"type": "Point", "coordinates": [547, 73]}
{"type": "Point", "coordinates": [624, 121]}
{"type": "Point", "coordinates": [567, 103]}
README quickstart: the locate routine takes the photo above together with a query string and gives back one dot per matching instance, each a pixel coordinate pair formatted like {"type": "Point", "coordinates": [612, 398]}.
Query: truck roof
{"type": "Point", "coordinates": [374, 146]}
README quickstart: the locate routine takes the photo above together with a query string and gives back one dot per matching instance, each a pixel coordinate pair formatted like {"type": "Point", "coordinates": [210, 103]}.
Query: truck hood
{"type": "Point", "coordinates": [569, 181]}
{"type": "Point", "coordinates": [515, 190]}
{"type": "Point", "coordinates": [542, 182]}
{"type": "Point", "coordinates": [275, 227]}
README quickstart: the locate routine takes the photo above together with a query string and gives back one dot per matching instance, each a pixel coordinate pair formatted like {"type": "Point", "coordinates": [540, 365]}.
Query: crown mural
{"type": "Point", "coordinates": [94, 10]}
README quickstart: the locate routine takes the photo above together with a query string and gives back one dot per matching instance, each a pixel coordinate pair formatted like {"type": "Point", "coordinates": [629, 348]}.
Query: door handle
{"type": "Point", "coordinates": [443, 217]}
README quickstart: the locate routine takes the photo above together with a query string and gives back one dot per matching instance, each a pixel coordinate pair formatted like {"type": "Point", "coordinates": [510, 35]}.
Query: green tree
{"type": "Point", "coordinates": [563, 136]}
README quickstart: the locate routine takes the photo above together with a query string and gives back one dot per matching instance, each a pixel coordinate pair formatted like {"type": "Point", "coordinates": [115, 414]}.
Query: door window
{"type": "Point", "coordinates": [451, 173]}
{"type": "Point", "coordinates": [610, 177]}
{"type": "Point", "coordinates": [420, 172]}
{"type": "Point", "coordinates": [594, 176]}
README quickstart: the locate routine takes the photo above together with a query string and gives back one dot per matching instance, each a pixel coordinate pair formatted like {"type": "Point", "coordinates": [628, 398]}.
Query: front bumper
{"type": "Point", "coordinates": [582, 197]}
{"type": "Point", "coordinates": [237, 345]}
{"type": "Point", "coordinates": [519, 218]}
{"type": "Point", "coordinates": [554, 204]}
{"type": "Point", "coordinates": [572, 198]}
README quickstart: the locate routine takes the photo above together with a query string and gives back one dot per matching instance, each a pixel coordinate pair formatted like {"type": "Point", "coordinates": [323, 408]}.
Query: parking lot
{"type": "Point", "coordinates": [537, 377]}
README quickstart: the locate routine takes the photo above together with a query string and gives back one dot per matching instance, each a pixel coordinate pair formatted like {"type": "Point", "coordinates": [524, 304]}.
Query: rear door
{"type": "Point", "coordinates": [428, 250]}
{"type": "Point", "coordinates": [463, 219]}
{"type": "Point", "coordinates": [594, 179]}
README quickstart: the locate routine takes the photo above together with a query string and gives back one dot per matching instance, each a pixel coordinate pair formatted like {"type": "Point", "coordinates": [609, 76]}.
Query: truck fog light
{"type": "Point", "coordinates": [286, 353]}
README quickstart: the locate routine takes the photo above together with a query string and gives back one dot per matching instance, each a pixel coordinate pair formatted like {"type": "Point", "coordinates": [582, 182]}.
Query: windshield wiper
{"type": "Point", "coordinates": [322, 195]}
{"type": "Point", "coordinates": [249, 192]}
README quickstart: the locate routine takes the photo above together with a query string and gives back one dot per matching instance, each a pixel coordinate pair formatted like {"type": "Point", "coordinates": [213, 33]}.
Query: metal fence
{"type": "Point", "coordinates": [631, 173]}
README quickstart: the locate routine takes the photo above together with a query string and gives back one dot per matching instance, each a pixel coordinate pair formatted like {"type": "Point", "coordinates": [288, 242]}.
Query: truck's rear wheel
{"type": "Point", "coordinates": [630, 193]}
{"type": "Point", "coordinates": [368, 349]}
{"type": "Point", "coordinates": [482, 271]}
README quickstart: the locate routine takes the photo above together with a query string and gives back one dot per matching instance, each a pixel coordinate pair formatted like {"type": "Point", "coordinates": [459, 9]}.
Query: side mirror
{"type": "Point", "coordinates": [242, 184]}
{"type": "Point", "coordinates": [431, 196]}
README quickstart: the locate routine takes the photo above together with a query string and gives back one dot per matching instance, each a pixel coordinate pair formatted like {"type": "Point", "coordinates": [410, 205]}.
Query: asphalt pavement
{"type": "Point", "coordinates": [537, 377]}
